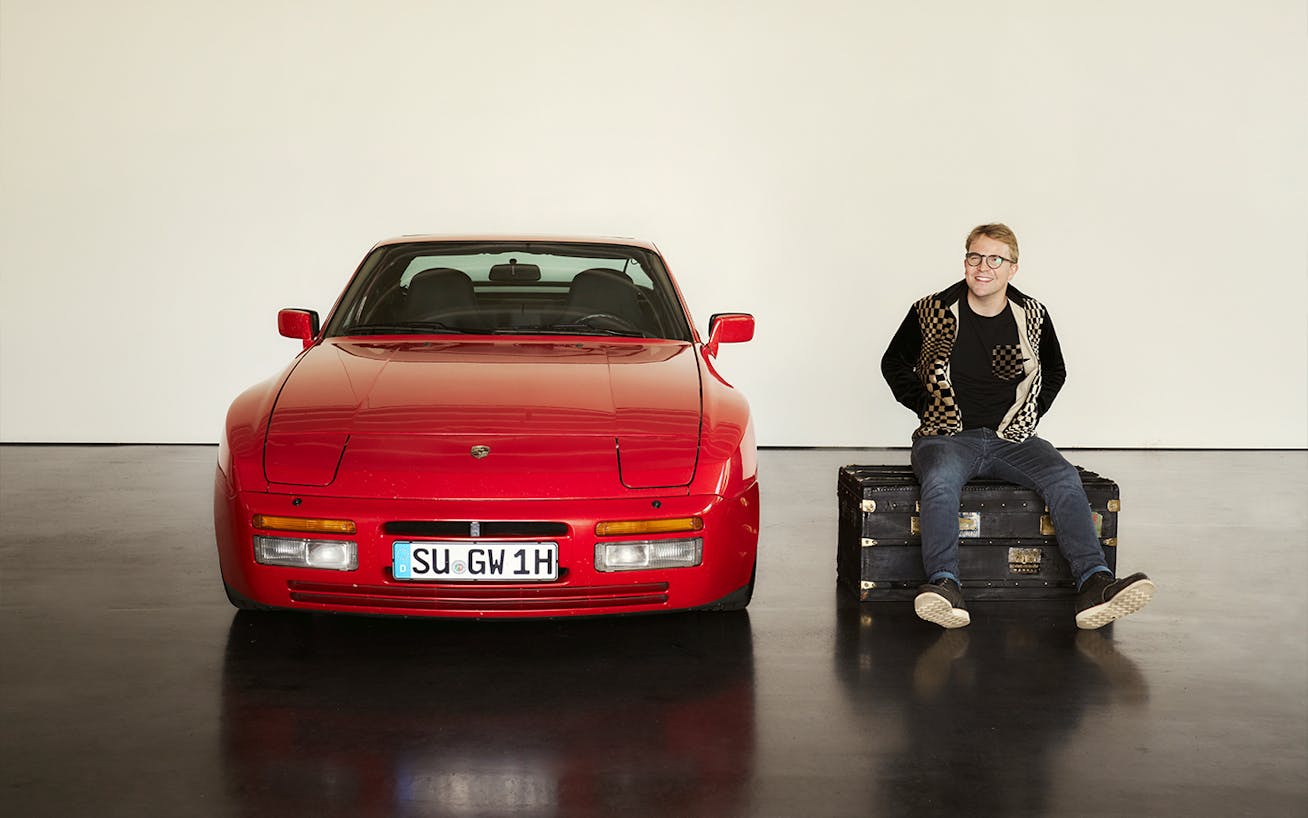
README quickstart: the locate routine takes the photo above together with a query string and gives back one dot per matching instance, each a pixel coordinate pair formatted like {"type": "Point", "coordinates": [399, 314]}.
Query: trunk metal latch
{"type": "Point", "coordinates": [1024, 560]}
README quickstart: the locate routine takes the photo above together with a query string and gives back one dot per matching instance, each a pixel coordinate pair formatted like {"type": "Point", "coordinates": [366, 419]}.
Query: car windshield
{"type": "Point", "coordinates": [507, 288]}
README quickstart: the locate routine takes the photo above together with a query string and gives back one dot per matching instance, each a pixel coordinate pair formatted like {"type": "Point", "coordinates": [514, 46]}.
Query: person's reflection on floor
{"type": "Point", "coordinates": [979, 715]}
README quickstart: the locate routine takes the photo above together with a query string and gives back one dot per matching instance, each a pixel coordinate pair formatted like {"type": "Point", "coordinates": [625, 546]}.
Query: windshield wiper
{"type": "Point", "coordinates": [586, 329]}
{"type": "Point", "coordinates": [410, 328]}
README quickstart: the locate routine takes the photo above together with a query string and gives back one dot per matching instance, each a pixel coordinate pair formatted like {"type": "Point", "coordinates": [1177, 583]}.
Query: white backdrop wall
{"type": "Point", "coordinates": [173, 172]}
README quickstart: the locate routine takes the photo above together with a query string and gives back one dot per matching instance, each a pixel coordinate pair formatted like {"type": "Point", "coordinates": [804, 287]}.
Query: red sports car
{"type": "Point", "coordinates": [494, 427]}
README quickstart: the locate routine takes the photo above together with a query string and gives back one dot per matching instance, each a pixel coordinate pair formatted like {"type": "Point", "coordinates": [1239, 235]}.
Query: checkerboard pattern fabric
{"type": "Point", "coordinates": [1006, 361]}
{"type": "Point", "coordinates": [939, 329]}
{"type": "Point", "coordinates": [1024, 422]}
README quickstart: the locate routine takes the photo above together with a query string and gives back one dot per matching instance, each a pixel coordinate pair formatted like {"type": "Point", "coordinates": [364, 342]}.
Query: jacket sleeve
{"type": "Point", "coordinates": [1053, 372]}
{"type": "Point", "coordinates": [898, 364]}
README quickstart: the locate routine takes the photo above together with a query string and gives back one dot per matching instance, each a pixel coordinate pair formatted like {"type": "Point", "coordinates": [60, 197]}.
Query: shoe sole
{"type": "Point", "coordinates": [935, 608]}
{"type": "Point", "coordinates": [1129, 600]}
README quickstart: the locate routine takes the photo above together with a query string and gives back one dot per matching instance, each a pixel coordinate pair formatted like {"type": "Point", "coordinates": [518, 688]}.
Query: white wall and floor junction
{"type": "Point", "coordinates": [172, 173]}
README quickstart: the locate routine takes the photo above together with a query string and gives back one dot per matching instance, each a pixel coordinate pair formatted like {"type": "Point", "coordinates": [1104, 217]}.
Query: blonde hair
{"type": "Point", "coordinates": [998, 232]}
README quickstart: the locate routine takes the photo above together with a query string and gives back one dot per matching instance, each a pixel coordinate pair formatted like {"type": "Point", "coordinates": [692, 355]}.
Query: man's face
{"type": "Point", "coordinates": [984, 280]}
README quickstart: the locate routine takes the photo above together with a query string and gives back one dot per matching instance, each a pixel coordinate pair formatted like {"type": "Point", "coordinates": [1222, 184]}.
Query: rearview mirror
{"type": "Point", "coordinates": [296, 323]}
{"type": "Point", "coordinates": [513, 271]}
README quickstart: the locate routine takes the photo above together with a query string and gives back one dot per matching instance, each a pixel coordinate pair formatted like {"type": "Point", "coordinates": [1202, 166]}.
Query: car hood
{"type": "Point", "coordinates": [386, 418]}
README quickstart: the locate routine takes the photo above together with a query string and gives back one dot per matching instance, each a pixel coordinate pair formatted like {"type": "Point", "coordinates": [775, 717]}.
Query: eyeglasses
{"type": "Point", "coordinates": [993, 262]}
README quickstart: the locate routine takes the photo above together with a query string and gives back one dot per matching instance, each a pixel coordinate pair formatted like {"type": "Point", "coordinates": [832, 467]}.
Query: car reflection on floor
{"type": "Point", "coordinates": [327, 715]}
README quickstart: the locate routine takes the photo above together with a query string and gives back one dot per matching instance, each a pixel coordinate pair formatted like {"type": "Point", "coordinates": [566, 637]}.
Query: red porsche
{"type": "Point", "coordinates": [494, 427]}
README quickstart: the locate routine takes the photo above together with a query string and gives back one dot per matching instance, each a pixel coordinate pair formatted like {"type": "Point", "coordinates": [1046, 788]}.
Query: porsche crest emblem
{"type": "Point", "coordinates": [480, 452]}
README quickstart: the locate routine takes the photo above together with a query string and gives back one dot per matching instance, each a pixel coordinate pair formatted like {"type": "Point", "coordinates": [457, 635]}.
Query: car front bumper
{"type": "Point", "coordinates": [729, 533]}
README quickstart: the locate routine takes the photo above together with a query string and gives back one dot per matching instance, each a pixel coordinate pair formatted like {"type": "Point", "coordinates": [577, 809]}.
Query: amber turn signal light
{"type": "Point", "coordinates": [624, 528]}
{"type": "Point", "coordinates": [313, 526]}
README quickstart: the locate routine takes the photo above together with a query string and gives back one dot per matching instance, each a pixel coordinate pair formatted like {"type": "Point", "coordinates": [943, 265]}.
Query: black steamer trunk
{"type": "Point", "coordinates": [1008, 549]}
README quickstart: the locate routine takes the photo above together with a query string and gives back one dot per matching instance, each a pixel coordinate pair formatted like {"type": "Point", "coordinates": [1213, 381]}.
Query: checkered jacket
{"type": "Point", "coordinates": [916, 364]}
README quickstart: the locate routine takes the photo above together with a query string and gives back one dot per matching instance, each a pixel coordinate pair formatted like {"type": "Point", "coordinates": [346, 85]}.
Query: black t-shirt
{"type": "Point", "coordinates": [986, 366]}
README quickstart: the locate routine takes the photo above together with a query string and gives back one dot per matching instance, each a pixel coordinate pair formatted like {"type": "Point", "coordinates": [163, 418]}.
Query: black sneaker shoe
{"type": "Point", "coordinates": [1103, 599]}
{"type": "Point", "coordinates": [941, 602]}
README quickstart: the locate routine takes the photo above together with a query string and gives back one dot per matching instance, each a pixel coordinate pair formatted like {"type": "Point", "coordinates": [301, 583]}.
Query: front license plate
{"type": "Point", "coordinates": [473, 561]}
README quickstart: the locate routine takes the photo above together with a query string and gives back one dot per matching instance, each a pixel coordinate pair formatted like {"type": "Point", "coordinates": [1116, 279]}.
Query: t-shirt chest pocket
{"type": "Point", "coordinates": [1006, 362]}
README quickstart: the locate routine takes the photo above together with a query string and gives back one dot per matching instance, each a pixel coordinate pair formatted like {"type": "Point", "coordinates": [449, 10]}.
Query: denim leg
{"type": "Point", "coordinates": [943, 465]}
{"type": "Point", "coordinates": [1036, 464]}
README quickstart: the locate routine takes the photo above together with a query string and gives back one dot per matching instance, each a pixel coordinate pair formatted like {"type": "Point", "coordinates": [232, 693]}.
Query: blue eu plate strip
{"type": "Point", "coordinates": [402, 568]}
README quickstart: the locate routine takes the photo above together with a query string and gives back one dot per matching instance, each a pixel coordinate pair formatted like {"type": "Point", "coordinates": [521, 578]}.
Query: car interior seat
{"type": "Point", "coordinates": [440, 294]}
{"type": "Point", "coordinates": [603, 291]}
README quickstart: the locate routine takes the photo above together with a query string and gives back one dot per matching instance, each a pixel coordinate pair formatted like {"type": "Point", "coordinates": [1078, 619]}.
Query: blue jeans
{"type": "Point", "coordinates": [943, 464]}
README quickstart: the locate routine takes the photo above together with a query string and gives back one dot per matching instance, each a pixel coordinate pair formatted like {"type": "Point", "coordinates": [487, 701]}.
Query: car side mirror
{"type": "Point", "coordinates": [728, 328]}
{"type": "Point", "coordinates": [301, 324]}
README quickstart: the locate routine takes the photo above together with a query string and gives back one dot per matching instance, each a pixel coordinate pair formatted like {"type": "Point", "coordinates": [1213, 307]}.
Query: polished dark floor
{"type": "Point", "coordinates": [129, 687]}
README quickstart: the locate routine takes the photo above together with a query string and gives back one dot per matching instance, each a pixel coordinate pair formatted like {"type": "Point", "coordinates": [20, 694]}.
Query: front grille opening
{"type": "Point", "coordinates": [470, 529]}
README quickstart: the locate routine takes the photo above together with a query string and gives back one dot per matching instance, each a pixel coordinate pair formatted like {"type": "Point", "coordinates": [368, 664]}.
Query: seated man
{"type": "Point", "coordinates": [980, 365]}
